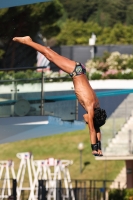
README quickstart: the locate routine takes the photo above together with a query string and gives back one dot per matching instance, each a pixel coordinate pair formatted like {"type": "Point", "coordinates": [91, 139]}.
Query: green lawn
{"type": "Point", "coordinates": [64, 146]}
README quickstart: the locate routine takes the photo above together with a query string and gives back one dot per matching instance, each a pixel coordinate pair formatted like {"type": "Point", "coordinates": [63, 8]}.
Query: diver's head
{"type": "Point", "coordinates": [99, 117]}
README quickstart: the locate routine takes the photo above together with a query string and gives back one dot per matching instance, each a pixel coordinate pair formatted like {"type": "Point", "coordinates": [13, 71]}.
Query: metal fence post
{"type": "Point", "coordinates": [41, 190]}
{"type": "Point", "coordinates": [90, 188]}
{"type": "Point", "coordinates": [76, 190]}
{"type": "Point", "coordinates": [104, 190]}
{"type": "Point", "coordinates": [42, 94]}
{"type": "Point", "coordinates": [14, 189]}
{"type": "Point", "coordinates": [94, 189]}
{"type": "Point", "coordinates": [58, 190]}
{"type": "Point", "coordinates": [76, 110]}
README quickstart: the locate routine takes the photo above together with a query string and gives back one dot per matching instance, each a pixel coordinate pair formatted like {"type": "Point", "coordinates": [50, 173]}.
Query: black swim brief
{"type": "Point", "coordinates": [79, 69]}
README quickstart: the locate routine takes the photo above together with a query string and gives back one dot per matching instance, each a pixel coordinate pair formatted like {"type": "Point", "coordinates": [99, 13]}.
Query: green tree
{"type": "Point", "coordinates": [119, 34]}
{"type": "Point", "coordinates": [75, 32]}
{"type": "Point", "coordinates": [79, 10]}
{"type": "Point", "coordinates": [129, 12]}
{"type": "Point", "coordinates": [104, 12]}
{"type": "Point", "coordinates": [28, 20]}
{"type": "Point", "coordinates": [49, 20]}
{"type": "Point", "coordinates": [110, 12]}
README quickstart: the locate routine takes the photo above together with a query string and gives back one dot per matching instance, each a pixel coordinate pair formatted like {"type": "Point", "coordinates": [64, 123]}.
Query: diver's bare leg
{"type": "Point", "coordinates": [63, 63]}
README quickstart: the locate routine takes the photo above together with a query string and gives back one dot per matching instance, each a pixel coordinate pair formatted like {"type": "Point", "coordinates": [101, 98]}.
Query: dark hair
{"type": "Point", "coordinates": [99, 117]}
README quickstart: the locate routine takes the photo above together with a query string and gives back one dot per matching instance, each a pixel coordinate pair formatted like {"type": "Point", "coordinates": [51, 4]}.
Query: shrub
{"type": "Point", "coordinates": [112, 66]}
{"type": "Point", "coordinates": [124, 194]}
{"type": "Point", "coordinates": [117, 194]}
{"type": "Point", "coordinates": [96, 76]}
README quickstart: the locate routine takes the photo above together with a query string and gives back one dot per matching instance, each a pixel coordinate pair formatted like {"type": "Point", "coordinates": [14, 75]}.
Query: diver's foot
{"type": "Point", "coordinates": [95, 153]}
{"type": "Point", "coordinates": [100, 152]}
{"type": "Point", "coordinates": [99, 148]}
{"type": "Point", "coordinates": [23, 40]}
{"type": "Point", "coordinates": [94, 149]}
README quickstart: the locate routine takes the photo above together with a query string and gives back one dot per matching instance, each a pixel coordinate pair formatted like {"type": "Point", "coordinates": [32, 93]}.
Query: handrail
{"type": "Point", "coordinates": [16, 80]}
{"type": "Point", "coordinates": [21, 68]}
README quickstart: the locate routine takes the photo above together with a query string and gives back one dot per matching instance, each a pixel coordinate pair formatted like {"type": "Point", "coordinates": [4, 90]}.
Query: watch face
{"type": "Point", "coordinates": [78, 69]}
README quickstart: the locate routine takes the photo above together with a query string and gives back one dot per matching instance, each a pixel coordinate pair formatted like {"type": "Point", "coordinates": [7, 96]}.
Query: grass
{"type": "Point", "coordinates": [64, 146]}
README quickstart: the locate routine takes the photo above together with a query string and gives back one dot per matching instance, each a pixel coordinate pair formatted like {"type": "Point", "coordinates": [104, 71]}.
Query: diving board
{"type": "Point", "coordinates": [12, 3]}
{"type": "Point", "coordinates": [98, 94]}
